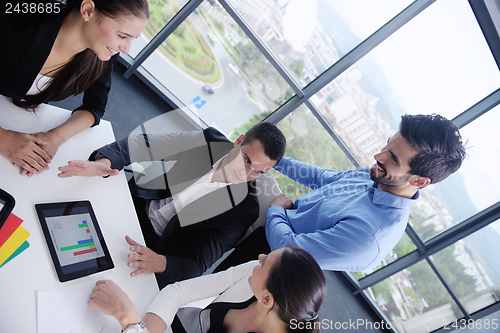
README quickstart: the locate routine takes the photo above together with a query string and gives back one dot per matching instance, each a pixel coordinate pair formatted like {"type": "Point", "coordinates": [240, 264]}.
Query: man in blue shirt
{"type": "Point", "coordinates": [353, 219]}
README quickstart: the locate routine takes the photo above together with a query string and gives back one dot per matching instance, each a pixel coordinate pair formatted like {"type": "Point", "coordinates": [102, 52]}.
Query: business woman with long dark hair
{"type": "Point", "coordinates": [54, 50]}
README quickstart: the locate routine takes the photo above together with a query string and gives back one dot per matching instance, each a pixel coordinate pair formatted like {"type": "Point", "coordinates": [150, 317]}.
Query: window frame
{"type": "Point", "coordinates": [303, 95]}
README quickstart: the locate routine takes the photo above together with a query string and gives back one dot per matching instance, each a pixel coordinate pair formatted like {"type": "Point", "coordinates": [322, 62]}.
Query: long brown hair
{"type": "Point", "coordinates": [85, 67]}
{"type": "Point", "coordinates": [298, 286]}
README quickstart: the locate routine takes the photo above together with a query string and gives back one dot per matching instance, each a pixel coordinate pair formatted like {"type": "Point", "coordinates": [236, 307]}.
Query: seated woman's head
{"type": "Point", "coordinates": [290, 282]}
{"type": "Point", "coordinates": [92, 32]}
{"type": "Point", "coordinates": [110, 25]}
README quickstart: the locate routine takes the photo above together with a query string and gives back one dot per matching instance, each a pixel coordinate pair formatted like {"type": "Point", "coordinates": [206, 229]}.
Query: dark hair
{"type": "Point", "coordinates": [298, 286]}
{"type": "Point", "coordinates": [85, 67]}
{"type": "Point", "coordinates": [440, 146]}
{"type": "Point", "coordinates": [113, 9]}
{"type": "Point", "coordinates": [270, 136]}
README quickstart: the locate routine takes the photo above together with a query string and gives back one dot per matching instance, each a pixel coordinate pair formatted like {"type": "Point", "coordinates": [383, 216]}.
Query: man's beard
{"type": "Point", "coordinates": [389, 180]}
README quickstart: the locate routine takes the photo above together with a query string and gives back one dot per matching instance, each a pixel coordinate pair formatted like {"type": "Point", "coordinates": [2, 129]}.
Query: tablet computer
{"type": "Point", "coordinates": [7, 202]}
{"type": "Point", "coordinates": [74, 239]}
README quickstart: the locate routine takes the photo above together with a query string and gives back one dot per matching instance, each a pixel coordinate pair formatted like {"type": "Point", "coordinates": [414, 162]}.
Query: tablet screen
{"type": "Point", "coordinates": [74, 239]}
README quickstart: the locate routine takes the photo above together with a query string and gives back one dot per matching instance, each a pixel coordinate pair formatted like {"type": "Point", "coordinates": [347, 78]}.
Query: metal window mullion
{"type": "Point", "coordinates": [484, 312]}
{"type": "Point", "coordinates": [366, 46]}
{"type": "Point", "coordinates": [332, 133]}
{"type": "Point", "coordinates": [495, 307]}
{"type": "Point", "coordinates": [467, 227]}
{"type": "Point", "coordinates": [487, 26]}
{"type": "Point", "coordinates": [353, 279]}
{"type": "Point", "coordinates": [381, 313]}
{"type": "Point", "coordinates": [275, 62]}
{"type": "Point", "coordinates": [415, 238]}
{"type": "Point", "coordinates": [473, 224]}
{"type": "Point", "coordinates": [391, 269]}
{"type": "Point", "coordinates": [448, 289]}
{"type": "Point", "coordinates": [170, 27]}
{"type": "Point", "coordinates": [285, 109]}
{"type": "Point", "coordinates": [147, 78]}
{"type": "Point", "coordinates": [478, 109]}
{"type": "Point", "coordinates": [126, 60]}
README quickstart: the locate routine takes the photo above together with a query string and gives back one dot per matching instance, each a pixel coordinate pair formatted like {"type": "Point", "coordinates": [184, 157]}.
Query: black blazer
{"type": "Point", "coordinates": [26, 41]}
{"type": "Point", "coordinates": [212, 224]}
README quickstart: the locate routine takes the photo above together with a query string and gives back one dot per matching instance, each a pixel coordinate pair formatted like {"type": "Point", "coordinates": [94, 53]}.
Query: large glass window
{"type": "Point", "coordinates": [402, 75]}
{"type": "Point", "coordinates": [161, 12]}
{"type": "Point", "coordinates": [365, 103]}
{"type": "Point", "coordinates": [415, 300]}
{"type": "Point", "coordinates": [402, 248]}
{"type": "Point", "coordinates": [474, 187]}
{"type": "Point", "coordinates": [309, 142]}
{"type": "Point", "coordinates": [471, 268]}
{"type": "Point", "coordinates": [439, 62]}
{"type": "Point", "coordinates": [212, 66]}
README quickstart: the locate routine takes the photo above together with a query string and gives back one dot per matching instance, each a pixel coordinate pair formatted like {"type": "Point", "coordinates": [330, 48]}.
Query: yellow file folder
{"type": "Point", "coordinates": [14, 241]}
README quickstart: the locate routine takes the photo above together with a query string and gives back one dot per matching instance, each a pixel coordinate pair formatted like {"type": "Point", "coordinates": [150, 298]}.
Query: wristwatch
{"type": "Point", "coordinates": [135, 328]}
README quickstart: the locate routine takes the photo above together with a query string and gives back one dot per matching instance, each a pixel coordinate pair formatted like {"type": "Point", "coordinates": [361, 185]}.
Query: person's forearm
{"type": "Point", "coordinates": [301, 172]}
{"type": "Point", "coordinates": [154, 323]}
{"type": "Point", "coordinates": [79, 121]}
{"type": "Point", "coordinates": [306, 174]}
{"type": "Point", "coordinates": [278, 230]}
{"type": "Point", "coordinates": [105, 161]}
{"type": "Point", "coordinates": [126, 319]}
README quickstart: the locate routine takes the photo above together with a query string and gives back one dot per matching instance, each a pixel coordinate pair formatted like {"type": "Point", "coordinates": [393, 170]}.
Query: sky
{"type": "Point", "coordinates": [299, 21]}
{"type": "Point", "coordinates": [496, 226]}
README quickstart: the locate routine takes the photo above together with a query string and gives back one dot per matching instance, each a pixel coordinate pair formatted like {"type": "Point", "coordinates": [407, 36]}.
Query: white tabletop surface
{"type": "Point", "coordinates": [32, 270]}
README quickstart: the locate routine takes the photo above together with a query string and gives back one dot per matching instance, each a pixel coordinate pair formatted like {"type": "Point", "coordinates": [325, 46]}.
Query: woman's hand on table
{"type": "Point", "coordinates": [52, 140]}
{"type": "Point", "coordinates": [111, 300]}
{"type": "Point", "coordinates": [100, 167]}
{"type": "Point", "coordinates": [24, 150]}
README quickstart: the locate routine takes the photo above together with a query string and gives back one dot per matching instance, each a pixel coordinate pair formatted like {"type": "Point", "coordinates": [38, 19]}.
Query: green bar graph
{"type": "Point", "coordinates": [67, 248]}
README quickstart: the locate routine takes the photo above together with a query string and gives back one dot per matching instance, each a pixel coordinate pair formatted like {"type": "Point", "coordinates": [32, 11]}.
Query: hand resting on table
{"type": "Point", "coordinates": [24, 150]}
{"type": "Point", "coordinates": [146, 260]}
{"type": "Point", "coordinates": [101, 167]}
{"type": "Point", "coordinates": [110, 299]}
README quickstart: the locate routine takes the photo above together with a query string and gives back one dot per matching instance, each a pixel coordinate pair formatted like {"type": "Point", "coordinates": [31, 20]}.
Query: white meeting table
{"type": "Point", "coordinates": [32, 270]}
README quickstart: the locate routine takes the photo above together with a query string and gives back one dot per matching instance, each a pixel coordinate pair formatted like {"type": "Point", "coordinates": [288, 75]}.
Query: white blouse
{"type": "Point", "coordinates": [41, 83]}
{"type": "Point", "coordinates": [187, 298]}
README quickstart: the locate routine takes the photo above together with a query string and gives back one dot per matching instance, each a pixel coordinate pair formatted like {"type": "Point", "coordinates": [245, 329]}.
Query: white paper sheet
{"type": "Point", "coordinates": [68, 312]}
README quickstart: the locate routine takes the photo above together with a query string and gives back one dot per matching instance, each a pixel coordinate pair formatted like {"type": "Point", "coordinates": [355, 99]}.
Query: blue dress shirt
{"type": "Point", "coordinates": [345, 223]}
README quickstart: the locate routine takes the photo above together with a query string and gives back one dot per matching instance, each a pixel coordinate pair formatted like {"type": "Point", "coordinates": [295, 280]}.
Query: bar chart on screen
{"type": "Point", "coordinates": [75, 239]}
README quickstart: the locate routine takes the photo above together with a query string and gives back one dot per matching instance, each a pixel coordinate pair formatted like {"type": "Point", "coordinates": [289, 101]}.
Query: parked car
{"type": "Point", "coordinates": [208, 89]}
{"type": "Point", "coordinates": [233, 68]}
{"type": "Point", "coordinates": [212, 39]}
